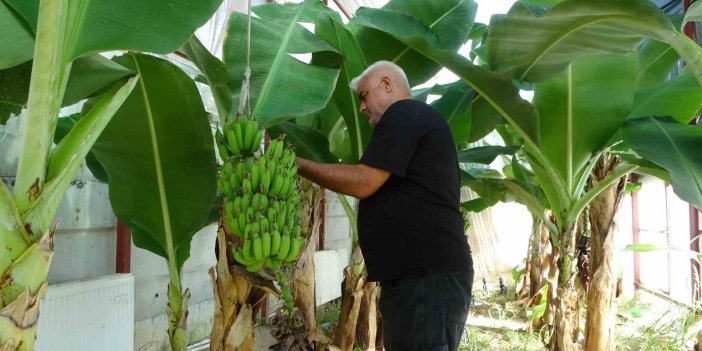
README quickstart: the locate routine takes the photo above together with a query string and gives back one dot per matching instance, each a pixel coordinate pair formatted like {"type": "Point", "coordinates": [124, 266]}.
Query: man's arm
{"type": "Point", "coordinates": [359, 180]}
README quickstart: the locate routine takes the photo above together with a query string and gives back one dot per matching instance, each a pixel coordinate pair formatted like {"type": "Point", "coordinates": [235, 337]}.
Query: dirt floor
{"type": "Point", "coordinates": [644, 323]}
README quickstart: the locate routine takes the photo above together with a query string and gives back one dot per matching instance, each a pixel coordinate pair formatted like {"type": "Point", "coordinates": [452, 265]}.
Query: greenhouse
{"type": "Point", "coordinates": [234, 175]}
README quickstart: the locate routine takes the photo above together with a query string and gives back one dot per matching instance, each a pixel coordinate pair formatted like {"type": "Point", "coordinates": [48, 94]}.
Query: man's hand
{"type": "Point", "coordinates": [359, 180]}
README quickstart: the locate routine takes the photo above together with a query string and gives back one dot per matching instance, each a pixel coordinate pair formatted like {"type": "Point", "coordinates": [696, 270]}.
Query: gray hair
{"type": "Point", "coordinates": [381, 65]}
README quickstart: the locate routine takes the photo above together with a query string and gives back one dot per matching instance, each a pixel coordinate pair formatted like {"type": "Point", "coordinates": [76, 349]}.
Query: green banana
{"type": "Point", "coordinates": [241, 220]}
{"type": "Point", "coordinates": [228, 169]}
{"type": "Point", "coordinates": [264, 203]}
{"type": "Point", "coordinates": [256, 201]}
{"type": "Point", "coordinates": [275, 241]}
{"type": "Point", "coordinates": [223, 152]}
{"type": "Point", "coordinates": [271, 149]}
{"type": "Point", "coordinates": [278, 152]}
{"type": "Point", "coordinates": [246, 250]}
{"type": "Point", "coordinates": [265, 181]}
{"type": "Point", "coordinates": [255, 177]}
{"type": "Point", "coordinates": [284, 187]}
{"type": "Point", "coordinates": [295, 246]}
{"type": "Point", "coordinates": [245, 202]}
{"type": "Point", "coordinates": [272, 263]}
{"type": "Point", "coordinates": [227, 189]}
{"type": "Point", "coordinates": [246, 185]}
{"type": "Point", "coordinates": [237, 204]}
{"type": "Point", "coordinates": [257, 247]}
{"type": "Point", "coordinates": [249, 134]}
{"type": "Point", "coordinates": [234, 182]}
{"type": "Point", "coordinates": [256, 144]}
{"type": "Point", "coordinates": [255, 266]}
{"type": "Point", "coordinates": [281, 218]}
{"type": "Point", "coordinates": [239, 257]}
{"type": "Point", "coordinates": [239, 136]}
{"type": "Point", "coordinates": [266, 244]}
{"type": "Point", "coordinates": [247, 230]}
{"type": "Point", "coordinates": [232, 143]}
{"type": "Point", "coordinates": [277, 184]}
{"type": "Point", "coordinates": [284, 247]}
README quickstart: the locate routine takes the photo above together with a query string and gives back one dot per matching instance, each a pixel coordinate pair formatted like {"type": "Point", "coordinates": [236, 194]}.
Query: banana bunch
{"type": "Point", "coordinates": [240, 138]}
{"type": "Point", "coordinates": [262, 207]}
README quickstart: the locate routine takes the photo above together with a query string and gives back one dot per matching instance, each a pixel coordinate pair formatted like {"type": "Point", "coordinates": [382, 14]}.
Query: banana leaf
{"type": "Point", "coordinates": [581, 109]}
{"type": "Point", "coordinates": [281, 86]}
{"type": "Point", "coordinates": [675, 146]}
{"type": "Point", "coordinates": [63, 127]}
{"type": "Point", "coordinates": [448, 21]}
{"type": "Point", "coordinates": [680, 98]}
{"type": "Point", "coordinates": [154, 145]}
{"type": "Point", "coordinates": [17, 39]}
{"type": "Point", "coordinates": [89, 76]}
{"type": "Point", "coordinates": [485, 154]}
{"type": "Point", "coordinates": [159, 26]}
{"type": "Point", "coordinates": [345, 99]}
{"type": "Point", "coordinates": [536, 48]}
{"type": "Point", "coordinates": [455, 106]}
{"type": "Point", "coordinates": [215, 75]}
{"type": "Point", "coordinates": [308, 143]}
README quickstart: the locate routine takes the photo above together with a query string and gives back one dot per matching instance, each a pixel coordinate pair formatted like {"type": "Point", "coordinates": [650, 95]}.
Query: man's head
{"type": "Point", "coordinates": [379, 86]}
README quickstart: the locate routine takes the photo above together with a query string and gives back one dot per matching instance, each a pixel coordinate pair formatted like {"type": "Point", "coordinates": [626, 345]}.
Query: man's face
{"type": "Point", "coordinates": [374, 96]}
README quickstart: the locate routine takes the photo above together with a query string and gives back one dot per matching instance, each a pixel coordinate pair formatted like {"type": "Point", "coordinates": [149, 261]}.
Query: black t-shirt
{"type": "Point", "coordinates": [412, 225]}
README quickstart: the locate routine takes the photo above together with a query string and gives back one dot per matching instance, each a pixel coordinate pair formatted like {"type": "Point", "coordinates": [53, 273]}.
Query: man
{"type": "Point", "coordinates": [409, 223]}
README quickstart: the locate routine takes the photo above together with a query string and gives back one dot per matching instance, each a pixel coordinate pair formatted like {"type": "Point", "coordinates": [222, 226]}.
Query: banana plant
{"type": "Point", "coordinates": [281, 87]}
{"type": "Point", "coordinates": [171, 145]}
{"type": "Point", "coordinates": [54, 34]}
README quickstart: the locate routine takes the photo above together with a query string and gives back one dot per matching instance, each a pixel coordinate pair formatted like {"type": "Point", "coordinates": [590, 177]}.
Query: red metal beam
{"type": "Point", "coordinates": [124, 249]}
{"type": "Point", "coordinates": [690, 29]}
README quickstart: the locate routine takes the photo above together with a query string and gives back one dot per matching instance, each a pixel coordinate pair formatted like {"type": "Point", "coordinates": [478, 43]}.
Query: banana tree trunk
{"type": "Point", "coordinates": [367, 325]}
{"type": "Point", "coordinates": [237, 301]}
{"type": "Point", "coordinates": [567, 305]}
{"type": "Point", "coordinates": [303, 282]}
{"type": "Point", "coordinates": [601, 322]}
{"type": "Point", "coordinates": [351, 298]}
{"type": "Point", "coordinates": [22, 287]}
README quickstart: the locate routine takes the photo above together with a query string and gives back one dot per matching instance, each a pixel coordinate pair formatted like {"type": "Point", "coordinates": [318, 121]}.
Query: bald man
{"type": "Point", "coordinates": [409, 224]}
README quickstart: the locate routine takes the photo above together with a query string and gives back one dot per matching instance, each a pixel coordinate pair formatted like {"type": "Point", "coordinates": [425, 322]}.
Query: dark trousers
{"type": "Point", "coordinates": [425, 313]}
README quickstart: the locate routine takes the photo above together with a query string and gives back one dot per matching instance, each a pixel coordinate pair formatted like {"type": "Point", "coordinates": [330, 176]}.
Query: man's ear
{"type": "Point", "coordinates": [386, 83]}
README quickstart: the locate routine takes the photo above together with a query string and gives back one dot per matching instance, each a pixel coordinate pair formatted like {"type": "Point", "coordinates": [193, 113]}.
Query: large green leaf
{"type": "Point", "coordinates": [534, 49]}
{"type": "Point", "coordinates": [159, 26]}
{"type": "Point", "coordinates": [506, 190]}
{"type": "Point", "coordinates": [215, 73]}
{"type": "Point", "coordinates": [281, 86]}
{"type": "Point", "coordinates": [656, 60]}
{"type": "Point", "coordinates": [63, 127]}
{"type": "Point", "coordinates": [581, 108]}
{"type": "Point", "coordinates": [449, 21]}
{"type": "Point", "coordinates": [89, 75]}
{"type": "Point", "coordinates": [345, 99]}
{"type": "Point", "coordinates": [675, 146]}
{"type": "Point", "coordinates": [309, 143]}
{"type": "Point", "coordinates": [14, 89]}
{"type": "Point", "coordinates": [680, 98]}
{"type": "Point", "coordinates": [485, 154]}
{"type": "Point", "coordinates": [159, 156]}
{"type": "Point", "coordinates": [17, 39]}
{"type": "Point", "coordinates": [455, 106]}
